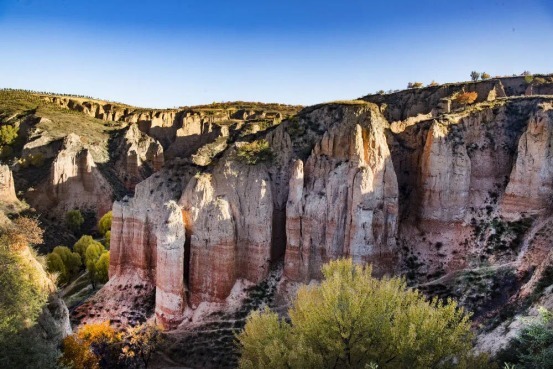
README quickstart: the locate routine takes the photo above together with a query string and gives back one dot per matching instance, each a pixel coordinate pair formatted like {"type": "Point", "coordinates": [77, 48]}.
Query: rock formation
{"type": "Point", "coordinates": [412, 182]}
{"type": "Point", "coordinates": [344, 204]}
{"type": "Point", "coordinates": [531, 180]}
{"type": "Point", "coordinates": [138, 156]}
{"type": "Point", "coordinates": [7, 187]}
{"type": "Point", "coordinates": [74, 182]}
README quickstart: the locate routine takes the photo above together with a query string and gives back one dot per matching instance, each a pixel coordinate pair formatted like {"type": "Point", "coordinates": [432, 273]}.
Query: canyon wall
{"type": "Point", "coordinates": [74, 181]}
{"type": "Point", "coordinates": [400, 181]}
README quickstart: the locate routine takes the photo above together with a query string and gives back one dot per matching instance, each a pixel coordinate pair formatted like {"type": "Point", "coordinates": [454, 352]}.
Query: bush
{"type": "Point", "coordinates": [414, 85]}
{"type": "Point", "coordinates": [528, 78]}
{"type": "Point", "coordinates": [82, 244]}
{"type": "Point", "coordinates": [107, 239]}
{"type": "Point", "coordinates": [485, 75]}
{"type": "Point", "coordinates": [74, 220]}
{"type": "Point", "coordinates": [466, 98]}
{"type": "Point", "coordinates": [533, 347]}
{"type": "Point", "coordinates": [255, 152]}
{"type": "Point", "coordinates": [70, 263]}
{"type": "Point", "coordinates": [432, 84]}
{"type": "Point", "coordinates": [92, 257]}
{"type": "Point", "coordinates": [140, 343]}
{"type": "Point", "coordinates": [54, 264]}
{"type": "Point", "coordinates": [104, 224]}
{"type": "Point", "coordinates": [92, 344]}
{"type": "Point", "coordinates": [102, 268]}
{"type": "Point", "coordinates": [352, 320]}
{"type": "Point", "coordinates": [8, 134]}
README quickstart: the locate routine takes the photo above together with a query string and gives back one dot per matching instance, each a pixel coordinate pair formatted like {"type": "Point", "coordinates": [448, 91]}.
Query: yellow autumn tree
{"type": "Point", "coordinates": [92, 342]}
{"type": "Point", "coordinates": [466, 98]}
{"type": "Point", "coordinates": [352, 320]}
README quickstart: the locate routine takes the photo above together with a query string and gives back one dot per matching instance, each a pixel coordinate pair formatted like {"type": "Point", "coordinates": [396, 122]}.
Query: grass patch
{"type": "Point", "coordinates": [254, 152]}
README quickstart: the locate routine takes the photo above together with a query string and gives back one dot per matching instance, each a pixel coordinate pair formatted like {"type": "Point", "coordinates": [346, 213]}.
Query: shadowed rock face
{"type": "Point", "coordinates": [74, 182]}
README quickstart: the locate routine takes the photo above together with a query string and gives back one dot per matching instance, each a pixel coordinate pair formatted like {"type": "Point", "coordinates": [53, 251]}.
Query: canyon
{"type": "Point", "coordinates": [457, 199]}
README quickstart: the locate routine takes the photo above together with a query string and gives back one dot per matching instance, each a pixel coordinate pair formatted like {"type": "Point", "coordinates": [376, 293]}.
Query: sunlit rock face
{"type": "Point", "coordinates": [7, 187]}
{"type": "Point", "coordinates": [413, 189]}
{"type": "Point", "coordinates": [147, 252]}
{"type": "Point", "coordinates": [229, 220]}
{"type": "Point", "coordinates": [531, 180]}
{"type": "Point", "coordinates": [343, 201]}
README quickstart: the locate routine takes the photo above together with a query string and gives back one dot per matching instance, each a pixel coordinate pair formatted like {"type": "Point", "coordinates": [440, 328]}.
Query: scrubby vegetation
{"type": "Point", "coordinates": [352, 320]}
{"type": "Point", "coordinates": [104, 224]}
{"type": "Point", "coordinates": [95, 258]}
{"type": "Point", "coordinates": [255, 152]}
{"type": "Point", "coordinates": [466, 98]}
{"type": "Point", "coordinates": [24, 290]}
{"type": "Point", "coordinates": [533, 347]}
{"type": "Point", "coordinates": [98, 345]}
{"type": "Point", "coordinates": [74, 220]}
{"type": "Point", "coordinates": [64, 262]}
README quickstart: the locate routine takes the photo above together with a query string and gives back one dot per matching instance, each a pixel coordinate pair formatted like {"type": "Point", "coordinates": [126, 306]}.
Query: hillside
{"type": "Point", "coordinates": [220, 208]}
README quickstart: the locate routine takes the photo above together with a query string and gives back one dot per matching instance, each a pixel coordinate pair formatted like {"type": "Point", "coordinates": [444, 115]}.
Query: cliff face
{"type": "Point", "coordinates": [74, 182]}
{"type": "Point", "coordinates": [137, 157]}
{"type": "Point", "coordinates": [426, 198]}
{"type": "Point", "coordinates": [411, 182]}
{"type": "Point", "coordinates": [343, 201]}
{"type": "Point", "coordinates": [7, 187]}
{"type": "Point", "coordinates": [147, 232]}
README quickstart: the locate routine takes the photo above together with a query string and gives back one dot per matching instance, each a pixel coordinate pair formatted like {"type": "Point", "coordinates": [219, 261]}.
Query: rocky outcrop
{"type": "Point", "coordinates": [74, 182]}
{"type": "Point", "coordinates": [531, 180]}
{"type": "Point", "coordinates": [344, 203]}
{"type": "Point", "coordinates": [410, 183]}
{"type": "Point", "coordinates": [146, 256]}
{"type": "Point", "coordinates": [7, 187]}
{"type": "Point", "coordinates": [138, 156]}
{"type": "Point", "coordinates": [229, 222]}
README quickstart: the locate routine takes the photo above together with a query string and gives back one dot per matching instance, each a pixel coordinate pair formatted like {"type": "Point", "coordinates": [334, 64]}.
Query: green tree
{"type": "Point", "coordinates": [107, 239]}
{"type": "Point", "coordinates": [104, 224]}
{"type": "Point", "coordinates": [8, 134]}
{"type": "Point", "coordinates": [82, 244]}
{"type": "Point", "coordinates": [54, 264]}
{"type": "Point", "coordinates": [74, 220]}
{"type": "Point", "coordinates": [64, 262]}
{"type": "Point", "coordinates": [102, 268]}
{"type": "Point", "coordinates": [352, 320]}
{"type": "Point", "coordinates": [533, 347]}
{"type": "Point", "coordinates": [92, 255]}
{"type": "Point", "coordinates": [71, 260]}
{"type": "Point", "coordinates": [474, 76]}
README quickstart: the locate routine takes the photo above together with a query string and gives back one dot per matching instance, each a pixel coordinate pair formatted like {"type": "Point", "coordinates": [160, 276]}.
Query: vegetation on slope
{"type": "Point", "coordinates": [352, 320]}
{"type": "Point", "coordinates": [24, 290]}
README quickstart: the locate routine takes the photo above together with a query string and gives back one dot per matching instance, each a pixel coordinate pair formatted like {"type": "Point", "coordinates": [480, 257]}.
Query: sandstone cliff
{"type": "Point", "coordinates": [74, 182]}
{"type": "Point", "coordinates": [426, 198]}
{"type": "Point", "coordinates": [411, 182]}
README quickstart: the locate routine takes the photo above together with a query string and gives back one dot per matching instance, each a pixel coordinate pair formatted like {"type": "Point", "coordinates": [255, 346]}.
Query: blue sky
{"type": "Point", "coordinates": [171, 53]}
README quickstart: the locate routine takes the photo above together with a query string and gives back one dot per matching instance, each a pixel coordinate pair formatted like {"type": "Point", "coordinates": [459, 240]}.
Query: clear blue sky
{"type": "Point", "coordinates": [157, 53]}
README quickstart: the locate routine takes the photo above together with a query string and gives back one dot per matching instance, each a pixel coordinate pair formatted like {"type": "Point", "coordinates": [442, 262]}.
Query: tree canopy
{"type": "Point", "coordinates": [74, 220]}
{"type": "Point", "coordinates": [352, 320]}
{"type": "Point", "coordinates": [104, 224]}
